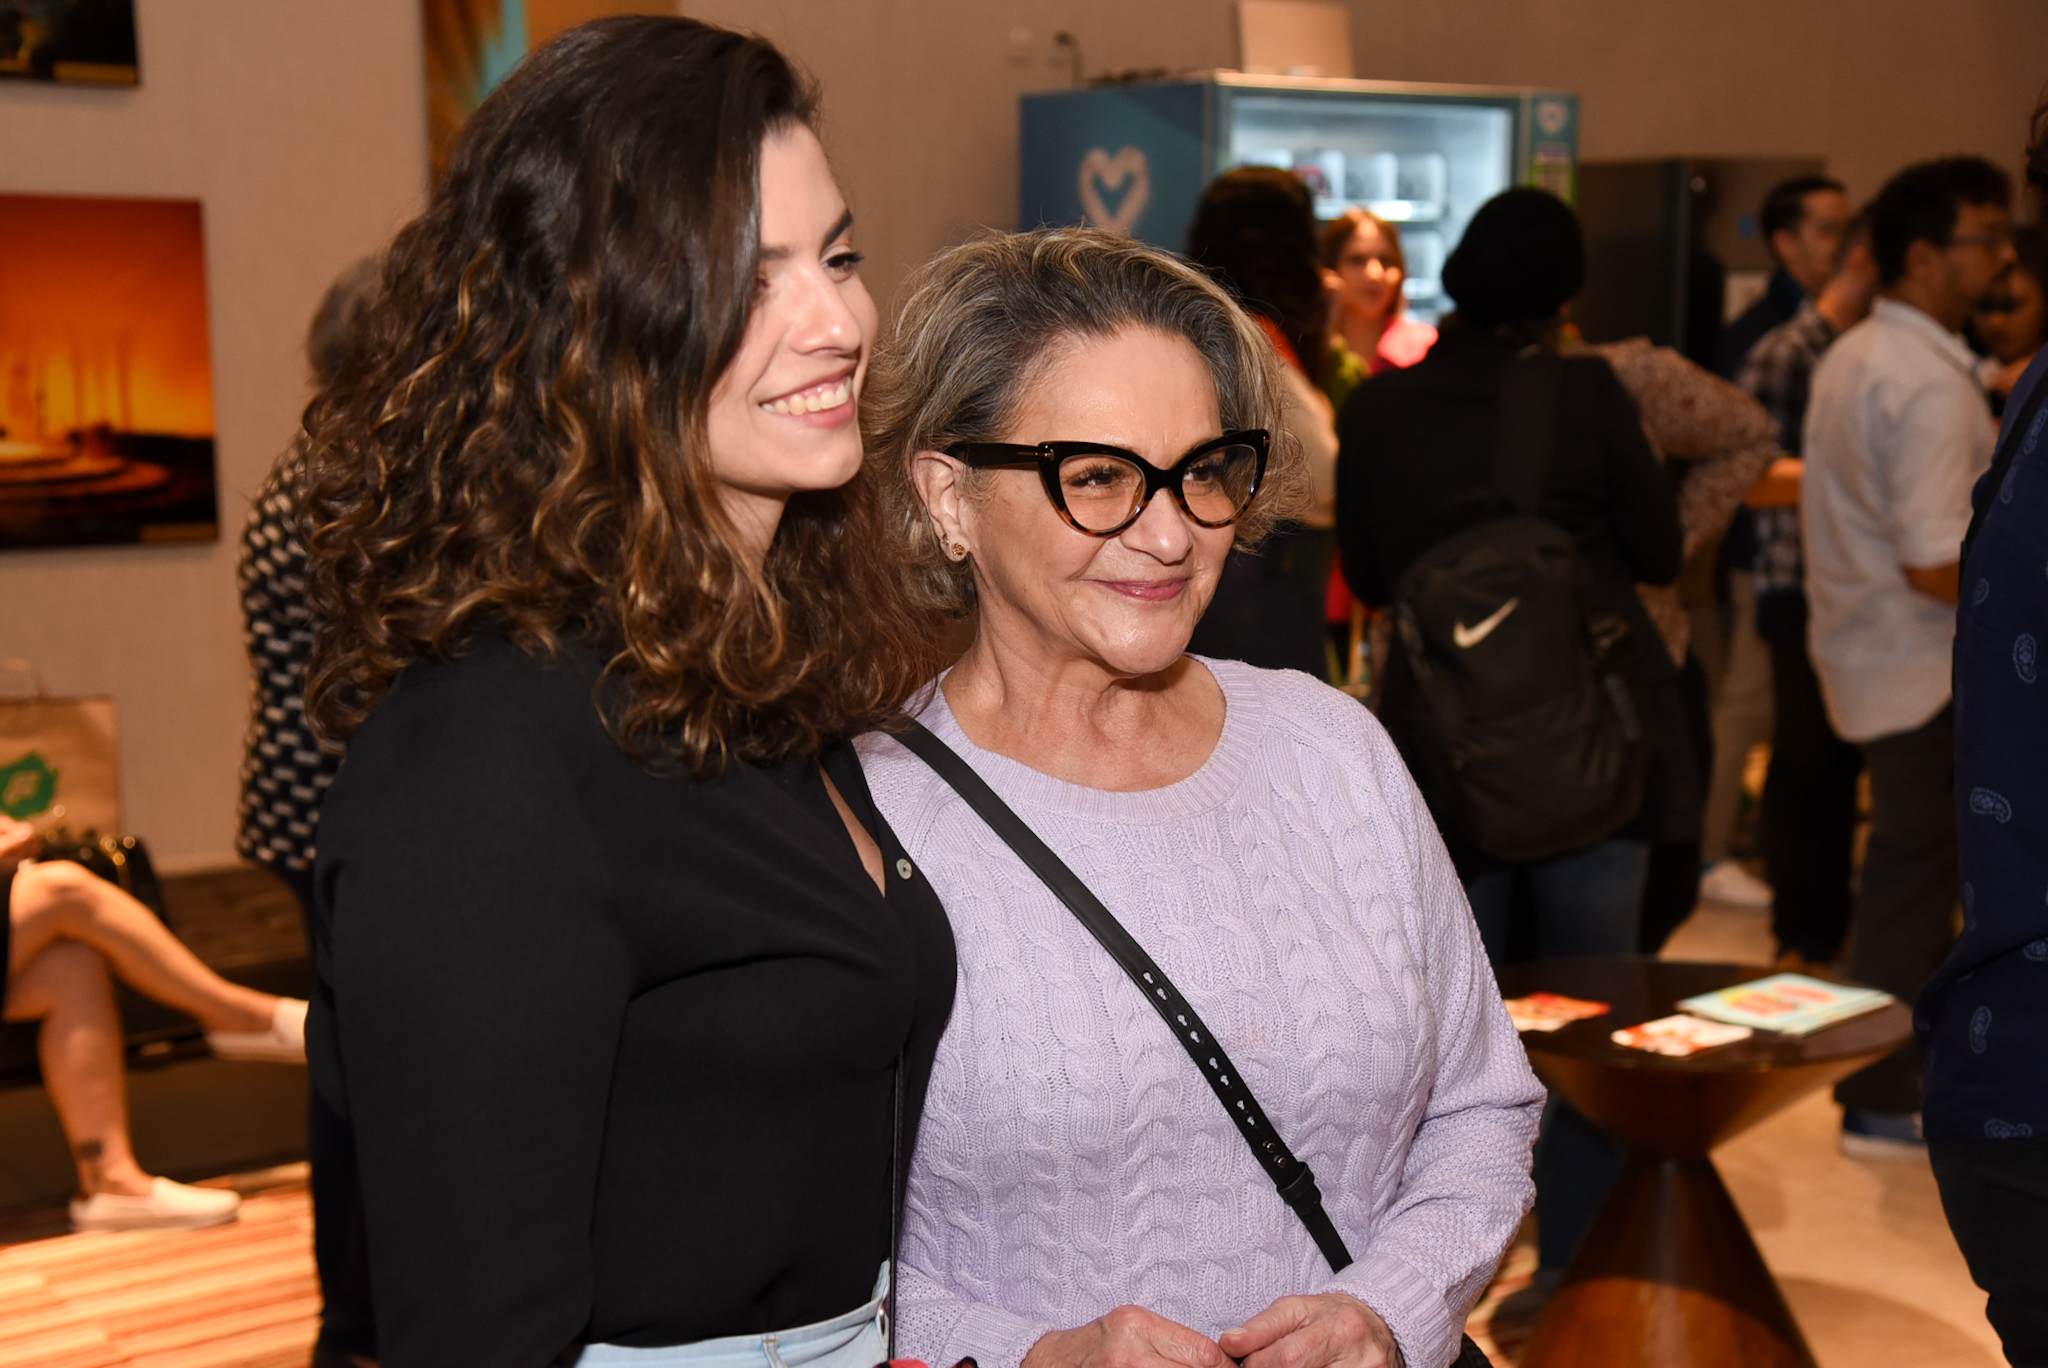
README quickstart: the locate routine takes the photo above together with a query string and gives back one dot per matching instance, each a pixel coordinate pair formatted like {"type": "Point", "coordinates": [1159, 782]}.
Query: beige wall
{"type": "Point", "coordinates": [300, 124]}
{"type": "Point", "coordinates": [921, 94]}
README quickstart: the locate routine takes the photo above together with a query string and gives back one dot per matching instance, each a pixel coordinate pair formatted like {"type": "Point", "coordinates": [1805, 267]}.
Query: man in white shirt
{"type": "Point", "coordinates": [1897, 431]}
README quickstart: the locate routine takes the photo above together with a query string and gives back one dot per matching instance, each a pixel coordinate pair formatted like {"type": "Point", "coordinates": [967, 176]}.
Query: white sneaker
{"type": "Point", "coordinates": [1728, 882]}
{"type": "Point", "coordinates": [284, 1042]}
{"type": "Point", "coordinates": [169, 1206]}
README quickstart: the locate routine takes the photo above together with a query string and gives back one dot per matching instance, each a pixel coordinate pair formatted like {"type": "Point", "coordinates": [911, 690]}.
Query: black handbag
{"type": "Point", "coordinates": [1291, 1177]}
{"type": "Point", "coordinates": [121, 860]}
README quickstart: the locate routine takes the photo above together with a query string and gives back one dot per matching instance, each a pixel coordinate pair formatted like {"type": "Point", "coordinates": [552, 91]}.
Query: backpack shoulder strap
{"type": "Point", "coordinates": [1296, 1185]}
{"type": "Point", "coordinates": [1530, 391]}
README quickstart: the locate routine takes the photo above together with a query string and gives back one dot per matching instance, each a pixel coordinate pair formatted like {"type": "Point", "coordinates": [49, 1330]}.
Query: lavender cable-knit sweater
{"type": "Point", "coordinates": [1071, 1160]}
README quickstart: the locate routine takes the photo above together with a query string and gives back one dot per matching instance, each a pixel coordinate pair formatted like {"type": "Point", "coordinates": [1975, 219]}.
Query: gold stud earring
{"type": "Point", "coordinates": [957, 550]}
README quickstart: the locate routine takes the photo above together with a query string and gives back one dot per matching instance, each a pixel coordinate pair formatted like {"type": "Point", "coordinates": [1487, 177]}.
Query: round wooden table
{"type": "Point", "coordinates": [1668, 1276]}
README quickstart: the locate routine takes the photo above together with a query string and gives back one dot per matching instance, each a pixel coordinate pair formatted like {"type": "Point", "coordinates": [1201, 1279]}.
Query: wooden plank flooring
{"type": "Point", "coordinates": [236, 1296]}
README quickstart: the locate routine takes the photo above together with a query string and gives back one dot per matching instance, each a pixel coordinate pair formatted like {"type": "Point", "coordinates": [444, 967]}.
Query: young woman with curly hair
{"type": "Point", "coordinates": [627, 990]}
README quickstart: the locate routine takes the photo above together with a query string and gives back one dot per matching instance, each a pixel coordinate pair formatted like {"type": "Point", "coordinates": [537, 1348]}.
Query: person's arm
{"type": "Point", "coordinates": [1779, 371]}
{"type": "Point", "coordinates": [1465, 1185]}
{"type": "Point", "coordinates": [1464, 1171]}
{"type": "Point", "coordinates": [1932, 454]}
{"type": "Point", "coordinates": [1642, 507]}
{"type": "Point", "coordinates": [1719, 438]}
{"type": "Point", "coordinates": [939, 1324]}
{"type": "Point", "coordinates": [1942, 582]}
{"type": "Point", "coordinates": [1778, 486]}
{"type": "Point", "coordinates": [479, 987]}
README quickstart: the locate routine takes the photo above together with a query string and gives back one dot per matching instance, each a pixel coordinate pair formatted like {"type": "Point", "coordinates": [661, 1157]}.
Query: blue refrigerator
{"type": "Point", "coordinates": [1136, 157]}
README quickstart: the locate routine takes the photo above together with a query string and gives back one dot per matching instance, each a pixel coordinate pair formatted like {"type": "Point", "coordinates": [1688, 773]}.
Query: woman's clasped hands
{"type": "Point", "coordinates": [1329, 1330]}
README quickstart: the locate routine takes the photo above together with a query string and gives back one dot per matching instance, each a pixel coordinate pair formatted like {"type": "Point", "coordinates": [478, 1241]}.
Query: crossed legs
{"type": "Point", "coordinates": [71, 933]}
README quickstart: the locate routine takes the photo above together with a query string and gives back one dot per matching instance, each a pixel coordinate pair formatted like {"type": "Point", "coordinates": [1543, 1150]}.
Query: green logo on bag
{"type": "Point", "coordinates": [27, 787]}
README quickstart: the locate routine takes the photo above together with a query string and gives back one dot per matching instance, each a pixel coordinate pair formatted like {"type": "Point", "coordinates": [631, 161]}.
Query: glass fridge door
{"type": "Point", "coordinates": [1424, 165]}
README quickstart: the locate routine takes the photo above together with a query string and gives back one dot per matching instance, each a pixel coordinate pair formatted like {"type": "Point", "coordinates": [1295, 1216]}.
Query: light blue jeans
{"type": "Point", "coordinates": [858, 1339]}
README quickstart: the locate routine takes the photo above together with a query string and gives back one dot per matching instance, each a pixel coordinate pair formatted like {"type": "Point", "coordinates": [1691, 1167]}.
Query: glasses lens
{"type": "Point", "coordinates": [1101, 490]}
{"type": "Point", "coordinates": [1218, 484]}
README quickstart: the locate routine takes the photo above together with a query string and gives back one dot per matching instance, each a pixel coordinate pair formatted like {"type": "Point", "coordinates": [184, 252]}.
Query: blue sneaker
{"type": "Point", "coordinates": [1868, 1134]}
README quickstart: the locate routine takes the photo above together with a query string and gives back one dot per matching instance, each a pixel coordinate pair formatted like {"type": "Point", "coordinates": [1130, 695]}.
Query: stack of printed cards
{"type": "Point", "coordinates": [1548, 1011]}
{"type": "Point", "coordinates": [1790, 1004]}
{"type": "Point", "coordinates": [1679, 1035]}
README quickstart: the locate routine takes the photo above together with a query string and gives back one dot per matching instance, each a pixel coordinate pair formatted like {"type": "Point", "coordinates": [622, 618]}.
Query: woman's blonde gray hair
{"type": "Point", "coordinates": [981, 322]}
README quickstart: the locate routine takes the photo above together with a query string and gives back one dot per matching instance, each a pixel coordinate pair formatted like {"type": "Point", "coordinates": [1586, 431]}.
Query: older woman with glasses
{"type": "Point", "coordinates": [1076, 428]}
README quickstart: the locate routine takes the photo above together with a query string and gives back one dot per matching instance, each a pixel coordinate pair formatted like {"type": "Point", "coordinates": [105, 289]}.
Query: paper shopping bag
{"type": "Point", "coordinates": [59, 763]}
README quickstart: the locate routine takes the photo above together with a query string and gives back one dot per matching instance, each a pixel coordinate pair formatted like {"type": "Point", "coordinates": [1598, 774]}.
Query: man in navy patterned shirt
{"type": "Point", "coordinates": [1983, 1016]}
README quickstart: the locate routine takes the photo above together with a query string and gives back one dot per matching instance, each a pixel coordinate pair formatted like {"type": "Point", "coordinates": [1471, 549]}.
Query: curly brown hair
{"type": "Point", "coordinates": [517, 439]}
{"type": "Point", "coordinates": [977, 326]}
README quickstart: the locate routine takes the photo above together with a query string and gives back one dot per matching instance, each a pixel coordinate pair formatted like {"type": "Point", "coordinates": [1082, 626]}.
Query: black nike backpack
{"type": "Point", "coordinates": [1527, 743]}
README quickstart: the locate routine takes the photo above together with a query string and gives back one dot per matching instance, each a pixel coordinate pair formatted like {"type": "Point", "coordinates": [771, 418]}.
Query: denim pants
{"type": "Point", "coordinates": [857, 1339]}
{"type": "Point", "coordinates": [1584, 904]}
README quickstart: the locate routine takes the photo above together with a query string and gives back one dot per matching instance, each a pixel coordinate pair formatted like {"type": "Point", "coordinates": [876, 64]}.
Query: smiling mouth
{"type": "Point", "coordinates": [1146, 591]}
{"type": "Point", "coordinates": [818, 398]}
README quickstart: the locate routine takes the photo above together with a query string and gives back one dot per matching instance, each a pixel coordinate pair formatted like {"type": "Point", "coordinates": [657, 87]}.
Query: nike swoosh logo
{"type": "Point", "coordinates": [1468, 637]}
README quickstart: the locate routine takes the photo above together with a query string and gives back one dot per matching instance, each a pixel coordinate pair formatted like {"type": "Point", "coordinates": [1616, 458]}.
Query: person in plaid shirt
{"type": "Point", "coordinates": [1808, 821]}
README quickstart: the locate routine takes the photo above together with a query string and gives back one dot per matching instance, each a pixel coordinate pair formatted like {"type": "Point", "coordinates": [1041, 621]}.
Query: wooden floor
{"type": "Point", "coordinates": [236, 1296]}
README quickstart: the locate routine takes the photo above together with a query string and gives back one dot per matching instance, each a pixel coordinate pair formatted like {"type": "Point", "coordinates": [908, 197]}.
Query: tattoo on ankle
{"type": "Point", "coordinates": [88, 1154]}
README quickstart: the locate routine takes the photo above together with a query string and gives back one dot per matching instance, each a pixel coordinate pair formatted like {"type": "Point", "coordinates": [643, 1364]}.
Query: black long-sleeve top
{"type": "Point", "coordinates": [1411, 441]}
{"type": "Point", "coordinates": [619, 1047]}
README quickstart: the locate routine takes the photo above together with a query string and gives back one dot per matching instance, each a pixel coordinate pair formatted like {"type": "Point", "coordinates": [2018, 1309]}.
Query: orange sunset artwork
{"type": "Point", "coordinates": [106, 383]}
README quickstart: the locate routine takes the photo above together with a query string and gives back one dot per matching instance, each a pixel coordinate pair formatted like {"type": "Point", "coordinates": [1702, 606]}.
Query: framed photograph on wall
{"type": "Point", "coordinates": [472, 45]}
{"type": "Point", "coordinates": [72, 42]}
{"type": "Point", "coordinates": [106, 375]}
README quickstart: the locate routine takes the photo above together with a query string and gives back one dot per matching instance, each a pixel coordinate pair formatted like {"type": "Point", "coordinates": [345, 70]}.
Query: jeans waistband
{"type": "Point", "coordinates": [850, 1340]}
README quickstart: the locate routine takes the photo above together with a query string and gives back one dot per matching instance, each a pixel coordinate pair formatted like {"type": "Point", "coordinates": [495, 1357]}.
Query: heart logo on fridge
{"type": "Point", "coordinates": [1127, 173]}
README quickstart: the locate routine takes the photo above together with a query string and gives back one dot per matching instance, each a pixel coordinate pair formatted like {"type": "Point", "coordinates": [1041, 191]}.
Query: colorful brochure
{"type": "Point", "coordinates": [1548, 1011]}
{"type": "Point", "coordinates": [1679, 1035]}
{"type": "Point", "coordinates": [1790, 1004]}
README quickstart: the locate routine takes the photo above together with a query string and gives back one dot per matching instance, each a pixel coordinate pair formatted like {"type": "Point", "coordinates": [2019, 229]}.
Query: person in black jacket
{"type": "Point", "coordinates": [1414, 443]}
{"type": "Point", "coordinates": [629, 995]}
{"type": "Point", "coordinates": [1415, 447]}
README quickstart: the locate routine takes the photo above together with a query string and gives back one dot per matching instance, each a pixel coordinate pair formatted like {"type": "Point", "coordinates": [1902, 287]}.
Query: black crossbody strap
{"type": "Point", "coordinates": [1296, 1185]}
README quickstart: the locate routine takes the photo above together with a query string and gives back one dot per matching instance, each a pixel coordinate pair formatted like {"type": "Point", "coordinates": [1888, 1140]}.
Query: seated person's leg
{"type": "Point", "coordinates": [65, 987]}
{"type": "Point", "coordinates": [56, 900]}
